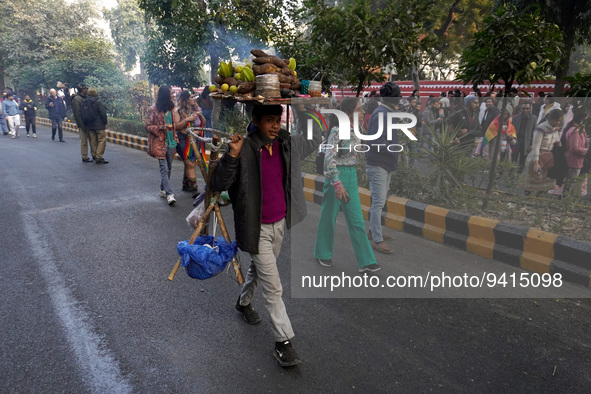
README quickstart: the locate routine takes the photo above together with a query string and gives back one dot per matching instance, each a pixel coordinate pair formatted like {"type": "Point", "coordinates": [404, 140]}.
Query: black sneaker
{"type": "Point", "coordinates": [87, 160]}
{"type": "Point", "coordinates": [285, 354]}
{"type": "Point", "coordinates": [250, 315]}
{"type": "Point", "coordinates": [101, 161]}
{"type": "Point", "coordinates": [326, 263]}
{"type": "Point", "coordinates": [370, 268]}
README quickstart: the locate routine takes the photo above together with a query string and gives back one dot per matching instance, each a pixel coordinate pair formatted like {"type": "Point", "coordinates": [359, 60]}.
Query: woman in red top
{"type": "Point", "coordinates": [162, 139]}
{"type": "Point", "coordinates": [576, 145]}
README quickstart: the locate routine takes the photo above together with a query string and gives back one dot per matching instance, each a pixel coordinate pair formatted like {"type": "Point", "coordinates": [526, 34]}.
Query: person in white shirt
{"type": "Point", "coordinates": [549, 104]}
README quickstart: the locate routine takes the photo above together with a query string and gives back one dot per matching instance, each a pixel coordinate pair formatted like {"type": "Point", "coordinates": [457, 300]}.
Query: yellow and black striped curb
{"type": "Point", "coordinates": [115, 137]}
{"type": "Point", "coordinates": [528, 248]}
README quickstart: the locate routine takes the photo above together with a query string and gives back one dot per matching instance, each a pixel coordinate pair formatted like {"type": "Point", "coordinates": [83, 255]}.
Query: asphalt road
{"type": "Point", "coordinates": [86, 306]}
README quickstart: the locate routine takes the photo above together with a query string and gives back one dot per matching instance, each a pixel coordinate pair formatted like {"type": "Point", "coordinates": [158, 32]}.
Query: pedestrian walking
{"type": "Point", "coordinates": [57, 111]}
{"type": "Point", "coordinates": [466, 122]}
{"type": "Point", "coordinates": [432, 119]}
{"type": "Point", "coordinates": [204, 102]}
{"type": "Point", "coordinates": [546, 135]}
{"type": "Point", "coordinates": [162, 139]}
{"type": "Point", "coordinates": [30, 110]}
{"type": "Point", "coordinates": [187, 114]}
{"type": "Point", "coordinates": [576, 147]}
{"type": "Point", "coordinates": [380, 165]}
{"type": "Point", "coordinates": [550, 104]}
{"type": "Point", "coordinates": [262, 175]}
{"type": "Point", "coordinates": [96, 129]}
{"type": "Point", "coordinates": [3, 123]}
{"type": "Point", "coordinates": [82, 107]}
{"type": "Point", "coordinates": [341, 191]}
{"type": "Point", "coordinates": [12, 114]}
{"type": "Point", "coordinates": [525, 123]}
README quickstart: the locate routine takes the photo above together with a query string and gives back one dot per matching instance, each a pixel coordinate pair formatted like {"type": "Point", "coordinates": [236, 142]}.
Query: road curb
{"type": "Point", "coordinates": [528, 248]}
{"type": "Point", "coordinates": [115, 137]}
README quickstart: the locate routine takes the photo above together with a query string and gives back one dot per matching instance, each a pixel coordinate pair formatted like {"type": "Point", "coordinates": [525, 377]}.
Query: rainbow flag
{"type": "Point", "coordinates": [491, 132]}
{"type": "Point", "coordinates": [188, 152]}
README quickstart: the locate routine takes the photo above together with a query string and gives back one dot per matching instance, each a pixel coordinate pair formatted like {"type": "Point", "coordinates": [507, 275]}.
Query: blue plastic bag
{"type": "Point", "coordinates": [201, 260]}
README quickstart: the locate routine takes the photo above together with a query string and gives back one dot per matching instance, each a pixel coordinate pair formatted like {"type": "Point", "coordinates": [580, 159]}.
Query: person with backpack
{"type": "Point", "coordinates": [96, 129]}
{"type": "Point", "coordinates": [83, 111]}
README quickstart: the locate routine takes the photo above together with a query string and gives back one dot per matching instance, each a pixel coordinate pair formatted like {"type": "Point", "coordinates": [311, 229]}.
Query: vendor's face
{"type": "Point", "coordinates": [269, 125]}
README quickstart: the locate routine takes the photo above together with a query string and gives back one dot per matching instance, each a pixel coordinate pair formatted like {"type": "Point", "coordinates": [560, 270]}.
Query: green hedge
{"type": "Point", "coordinates": [128, 126]}
{"type": "Point", "coordinates": [42, 112]}
{"type": "Point", "coordinates": [134, 127]}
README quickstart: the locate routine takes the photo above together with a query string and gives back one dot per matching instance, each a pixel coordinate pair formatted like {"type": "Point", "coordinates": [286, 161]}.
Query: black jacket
{"type": "Point", "coordinates": [28, 108]}
{"type": "Point", "coordinates": [489, 115]}
{"type": "Point", "coordinates": [58, 110]}
{"type": "Point", "coordinates": [524, 127]}
{"type": "Point", "coordinates": [462, 120]}
{"type": "Point", "coordinates": [100, 122]}
{"type": "Point", "coordinates": [241, 176]}
{"type": "Point", "coordinates": [383, 157]}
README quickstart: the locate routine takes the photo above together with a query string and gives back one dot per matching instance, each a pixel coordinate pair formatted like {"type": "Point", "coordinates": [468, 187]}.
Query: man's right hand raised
{"type": "Point", "coordinates": [235, 145]}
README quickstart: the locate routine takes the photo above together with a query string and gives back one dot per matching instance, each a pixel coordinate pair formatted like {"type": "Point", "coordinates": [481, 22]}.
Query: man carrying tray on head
{"type": "Point", "coordinates": [262, 175]}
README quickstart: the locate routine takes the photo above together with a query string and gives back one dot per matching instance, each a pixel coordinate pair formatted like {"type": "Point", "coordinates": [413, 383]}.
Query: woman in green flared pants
{"type": "Point", "coordinates": [341, 190]}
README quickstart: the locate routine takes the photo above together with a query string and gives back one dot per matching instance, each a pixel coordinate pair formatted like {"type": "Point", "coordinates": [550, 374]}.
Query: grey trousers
{"type": "Point", "coordinates": [263, 270]}
{"type": "Point", "coordinates": [165, 170]}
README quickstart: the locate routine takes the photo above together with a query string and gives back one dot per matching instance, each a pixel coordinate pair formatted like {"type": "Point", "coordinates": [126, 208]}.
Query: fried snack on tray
{"type": "Point", "coordinates": [258, 53]}
{"type": "Point", "coordinates": [246, 87]}
{"type": "Point", "coordinates": [268, 68]}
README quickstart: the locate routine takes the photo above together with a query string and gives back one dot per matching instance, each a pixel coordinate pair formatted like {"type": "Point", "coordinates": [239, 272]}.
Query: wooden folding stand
{"type": "Point", "coordinates": [213, 204]}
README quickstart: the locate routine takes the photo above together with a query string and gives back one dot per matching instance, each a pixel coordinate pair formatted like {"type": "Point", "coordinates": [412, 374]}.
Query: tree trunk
{"type": "Point", "coordinates": [451, 16]}
{"type": "Point", "coordinates": [142, 71]}
{"type": "Point", "coordinates": [2, 83]}
{"type": "Point", "coordinates": [361, 76]}
{"type": "Point", "coordinates": [415, 71]}
{"type": "Point", "coordinates": [562, 70]}
{"type": "Point", "coordinates": [493, 167]}
{"type": "Point", "coordinates": [151, 89]}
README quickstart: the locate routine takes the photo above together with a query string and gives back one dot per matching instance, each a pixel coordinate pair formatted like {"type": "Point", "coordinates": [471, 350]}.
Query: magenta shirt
{"type": "Point", "coordinates": [274, 207]}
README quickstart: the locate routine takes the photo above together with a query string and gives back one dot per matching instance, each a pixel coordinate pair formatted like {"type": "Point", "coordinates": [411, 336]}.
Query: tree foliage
{"type": "Point", "coordinates": [354, 40]}
{"type": "Point", "coordinates": [52, 40]}
{"type": "Point", "coordinates": [451, 24]}
{"type": "Point", "coordinates": [573, 17]}
{"type": "Point", "coordinates": [514, 46]}
{"type": "Point", "coordinates": [128, 29]}
{"type": "Point", "coordinates": [188, 32]}
{"type": "Point", "coordinates": [170, 62]}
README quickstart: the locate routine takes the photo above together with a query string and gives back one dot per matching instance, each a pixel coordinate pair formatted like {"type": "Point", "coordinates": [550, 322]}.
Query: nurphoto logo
{"type": "Point", "coordinates": [393, 121]}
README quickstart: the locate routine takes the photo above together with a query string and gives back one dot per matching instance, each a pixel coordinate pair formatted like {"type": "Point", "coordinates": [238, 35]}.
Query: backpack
{"type": "Point", "coordinates": [87, 112]}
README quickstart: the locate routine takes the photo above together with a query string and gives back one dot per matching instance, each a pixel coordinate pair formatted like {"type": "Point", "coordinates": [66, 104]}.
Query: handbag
{"type": "Point", "coordinates": [546, 160]}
